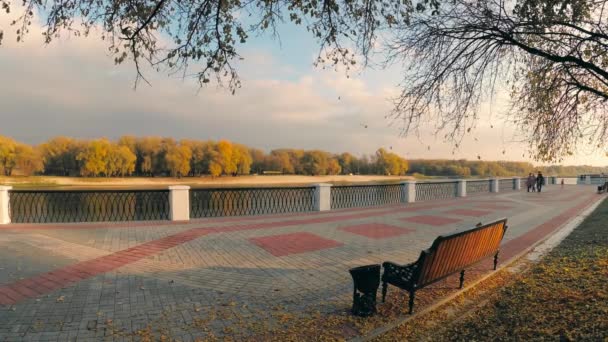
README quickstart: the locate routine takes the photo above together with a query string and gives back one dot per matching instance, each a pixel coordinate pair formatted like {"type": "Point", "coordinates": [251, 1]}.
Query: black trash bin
{"type": "Point", "coordinates": [366, 281]}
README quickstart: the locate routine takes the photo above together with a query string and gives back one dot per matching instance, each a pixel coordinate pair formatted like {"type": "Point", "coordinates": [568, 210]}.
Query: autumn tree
{"type": "Point", "coordinates": [315, 162]}
{"type": "Point", "coordinates": [346, 162]}
{"type": "Point", "coordinates": [128, 141]}
{"type": "Point", "coordinates": [333, 167]}
{"type": "Point", "coordinates": [280, 160]}
{"type": "Point", "coordinates": [224, 157]}
{"type": "Point", "coordinates": [177, 159]}
{"type": "Point", "coordinates": [389, 163]}
{"type": "Point", "coordinates": [7, 155]}
{"type": "Point", "coordinates": [120, 160]}
{"type": "Point", "coordinates": [94, 158]}
{"type": "Point", "coordinates": [243, 159]}
{"type": "Point", "coordinates": [147, 151]}
{"type": "Point", "coordinates": [28, 159]}
{"type": "Point", "coordinates": [59, 155]}
{"type": "Point", "coordinates": [197, 148]}
{"type": "Point", "coordinates": [258, 160]}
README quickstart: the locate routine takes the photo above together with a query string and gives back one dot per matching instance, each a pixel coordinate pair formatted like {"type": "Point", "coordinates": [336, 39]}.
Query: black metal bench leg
{"type": "Point", "coordinates": [384, 288]}
{"type": "Point", "coordinates": [461, 278]}
{"type": "Point", "coordinates": [495, 260]}
{"type": "Point", "coordinates": [411, 302]}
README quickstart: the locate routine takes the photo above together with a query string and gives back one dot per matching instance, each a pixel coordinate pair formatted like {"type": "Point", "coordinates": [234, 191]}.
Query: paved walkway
{"type": "Point", "coordinates": [90, 281]}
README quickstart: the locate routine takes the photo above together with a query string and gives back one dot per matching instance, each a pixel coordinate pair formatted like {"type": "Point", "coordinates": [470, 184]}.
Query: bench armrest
{"type": "Point", "coordinates": [399, 273]}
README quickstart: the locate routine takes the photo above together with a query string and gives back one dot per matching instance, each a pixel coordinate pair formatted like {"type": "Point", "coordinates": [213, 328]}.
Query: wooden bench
{"type": "Point", "coordinates": [449, 254]}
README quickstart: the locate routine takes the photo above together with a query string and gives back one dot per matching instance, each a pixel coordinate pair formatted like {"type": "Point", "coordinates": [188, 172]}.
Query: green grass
{"type": "Point", "coordinates": [564, 297]}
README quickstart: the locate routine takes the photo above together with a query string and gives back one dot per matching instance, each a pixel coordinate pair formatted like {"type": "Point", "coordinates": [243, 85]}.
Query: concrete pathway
{"type": "Point", "coordinates": [88, 281]}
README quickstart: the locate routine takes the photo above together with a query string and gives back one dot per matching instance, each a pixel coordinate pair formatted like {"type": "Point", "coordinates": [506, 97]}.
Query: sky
{"type": "Point", "coordinates": [73, 88]}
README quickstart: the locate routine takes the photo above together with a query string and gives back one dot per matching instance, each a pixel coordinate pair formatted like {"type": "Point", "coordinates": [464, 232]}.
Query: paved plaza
{"type": "Point", "coordinates": [112, 281]}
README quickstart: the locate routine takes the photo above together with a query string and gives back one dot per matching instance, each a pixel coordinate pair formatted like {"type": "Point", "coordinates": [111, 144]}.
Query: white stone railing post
{"type": "Point", "coordinates": [494, 185]}
{"type": "Point", "coordinates": [179, 203]}
{"type": "Point", "coordinates": [5, 217]}
{"type": "Point", "coordinates": [588, 180]}
{"type": "Point", "coordinates": [322, 197]}
{"type": "Point", "coordinates": [409, 191]}
{"type": "Point", "coordinates": [517, 183]}
{"type": "Point", "coordinates": [461, 188]}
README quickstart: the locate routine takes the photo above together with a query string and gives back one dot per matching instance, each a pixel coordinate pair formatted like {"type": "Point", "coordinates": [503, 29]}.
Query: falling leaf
{"type": "Point", "coordinates": [60, 299]}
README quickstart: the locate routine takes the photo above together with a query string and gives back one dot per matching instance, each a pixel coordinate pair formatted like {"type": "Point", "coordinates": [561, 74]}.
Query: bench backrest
{"type": "Point", "coordinates": [453, 252]}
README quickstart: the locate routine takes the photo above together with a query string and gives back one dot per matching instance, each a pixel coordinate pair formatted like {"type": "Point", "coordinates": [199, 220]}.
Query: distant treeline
{"type": "Point", "coordinates": [466, 168]}
{"type": "Point", "coordinates": [157, 156]}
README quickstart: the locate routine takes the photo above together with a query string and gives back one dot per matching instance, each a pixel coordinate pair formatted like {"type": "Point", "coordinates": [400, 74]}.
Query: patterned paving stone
{"type": "Point", "coordinates": [376, 230]}
{"type": "Point", "coordinates": [431, 220]}
{"type": "Point", "coordinates": [177, 275]}
{"type": "Point", "coordinates": [295, 243]}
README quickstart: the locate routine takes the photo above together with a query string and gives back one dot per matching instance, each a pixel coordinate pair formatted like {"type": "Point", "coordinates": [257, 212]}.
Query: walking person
{"type": "Point", "coordinates": [562, 183]}
{"type": "Point", "coordinates": [530, 181]}
{"type": "Point", "coordinates": [540, 181]}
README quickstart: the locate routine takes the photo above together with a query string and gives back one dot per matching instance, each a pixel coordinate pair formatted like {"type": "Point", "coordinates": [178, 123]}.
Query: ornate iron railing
{"type": "Point", "coordinates": [354, 196]}
{"type": "Point", "coordinates": [505, 185]}
{"type": "Point", "coordinates": [38, 206]}
{"type": "Point", "coordinates": [436, 190]}
{"type": "Point", "coordinates": [250, 201]}
{"type": "Point", "coordinates": [478, 186]}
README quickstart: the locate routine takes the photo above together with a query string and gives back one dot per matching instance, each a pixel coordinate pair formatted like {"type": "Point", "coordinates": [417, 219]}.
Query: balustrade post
{"type": "Point", "coordinates": [5, 217]}
{"type": "Point", "coordinates": [494, 185]}
{"type": "Point", "coordinates": [517, 183]}
{"type": "Point", "coordinates": [462, 188]}
{"type": "Point", "coordinates": [322, 197]}
{"type": "Point", "coordinates": [179, 203]}
{"type": "Point", "coordinates": [409, 191]}
{"type": "Point", "coordinates": [588, 179]}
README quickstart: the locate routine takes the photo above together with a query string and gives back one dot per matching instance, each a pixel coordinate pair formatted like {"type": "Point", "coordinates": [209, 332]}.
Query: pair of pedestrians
{"type": "Point", "coordinates": [535, 183]}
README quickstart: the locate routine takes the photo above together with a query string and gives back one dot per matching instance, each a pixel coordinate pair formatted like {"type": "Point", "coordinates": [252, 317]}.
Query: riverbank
{"type": "Point", "coordinates": [160, 182]}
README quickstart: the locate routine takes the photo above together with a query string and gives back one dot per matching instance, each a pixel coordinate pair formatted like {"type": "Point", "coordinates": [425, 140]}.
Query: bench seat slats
{"type": "Point", "coordinates": [448, 254]}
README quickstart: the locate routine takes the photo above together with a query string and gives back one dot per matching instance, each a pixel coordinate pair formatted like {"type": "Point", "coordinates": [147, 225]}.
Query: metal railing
{"type": "Point", "coordinates": [54, 206]}
{"type": "Point", "coordinates": [436, 190]}
{"type": "Point", "coordinates": [250, 201]}
{"type": "Point", "coordinates": [478, 186]}
{"type": "Point", "coordinates": [506, 185]}
{"type": "Point", "coordinates": [354, 196]}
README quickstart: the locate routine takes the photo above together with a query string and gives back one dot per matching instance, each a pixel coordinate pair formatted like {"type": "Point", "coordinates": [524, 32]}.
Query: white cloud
{"type": "Point", "coordinates": [73, 88]}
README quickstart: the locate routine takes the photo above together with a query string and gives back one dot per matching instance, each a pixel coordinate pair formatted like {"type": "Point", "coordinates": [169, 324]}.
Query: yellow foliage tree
{"type": "Point", "coordinates": [94, 158]}
{"type": "Point", "coordinates": [224, 157]}
{"type": "Point", "coordinates": [28, 160]}
{"type": "Point", "coordinates": [215, 169]}
{"type": "Point", "coordinates": [333, 167]}
{"type": "Point", "coordinates": [177, 159]}
{"type": "Point", "coordinates": [7, 155]}
{"type": "Point", "coordinates": [121, 161]}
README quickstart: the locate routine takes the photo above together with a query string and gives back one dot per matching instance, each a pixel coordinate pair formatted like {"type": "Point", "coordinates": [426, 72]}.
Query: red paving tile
{"type": "Point", "coordinates": [376, 230]}
{"type": "Point", "coordinates": [431, 220]}
{"type": "Point", "coordinates": [65, 276]}
{"type": "Point", "coordinates": [468, 212]}
{"type": "Point", "coordinates": [295, 243]}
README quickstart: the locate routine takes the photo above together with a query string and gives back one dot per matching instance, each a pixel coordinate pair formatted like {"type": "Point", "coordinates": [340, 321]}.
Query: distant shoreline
{"type": "Point", "coordinates": [56, 182]}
